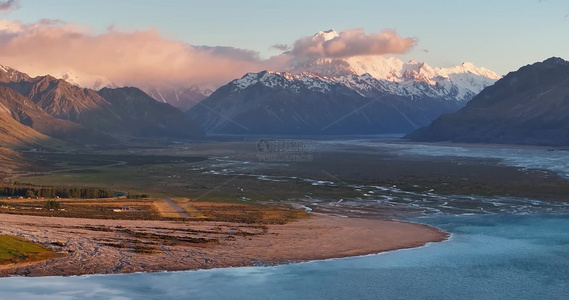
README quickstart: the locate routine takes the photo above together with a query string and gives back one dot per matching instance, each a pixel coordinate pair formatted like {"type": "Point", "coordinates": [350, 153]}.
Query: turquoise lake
{"type": "Point", "coordinates": [507, 249]}
{"type": "Point", "coordinates": [487, 257]}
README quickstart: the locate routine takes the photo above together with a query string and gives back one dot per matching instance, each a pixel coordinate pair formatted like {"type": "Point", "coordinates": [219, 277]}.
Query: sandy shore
{"type": "Point", "coordinates": [110, 246]}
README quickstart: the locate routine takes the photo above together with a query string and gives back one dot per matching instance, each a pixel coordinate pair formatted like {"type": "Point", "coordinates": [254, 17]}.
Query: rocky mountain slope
{"type": "Point", "coordinates": [144, 116]}
{"type": "Point", "coordinates": [182, 97]}
{"type": "Point", "coordinates": [31, 116]}
{"type": "Point", "coordinates": [529, 106]}
{"type": "Point", "coordinates": [285, 103]}
{"type": "Point", "coordinates": [58, 109]}
{"type": "Point", "coordinates": [353, 95]}
{"type": "Point", "coordinates": [14, 134]}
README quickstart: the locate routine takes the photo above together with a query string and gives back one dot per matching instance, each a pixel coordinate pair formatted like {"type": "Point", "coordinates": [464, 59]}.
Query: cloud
{"type": "Point", "coordinates": [9, 5]}
{"type": "Point", "coordinates": [235, 53]}
{"type": "Point", "coordinates": [353, 42]}
{"type": "Point", "coordinates": [281, 47]}
{"type": "Point", "coordinates": [129, 58]}
{"type": "Point", "coordinates": [144, 58]}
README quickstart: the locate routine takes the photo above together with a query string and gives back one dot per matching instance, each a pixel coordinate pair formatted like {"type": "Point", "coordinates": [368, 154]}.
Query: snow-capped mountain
{"type": "Point", "coordinates": [8, 74]}
{"type": "Point", "coordinates": [182, 97]}
{"type": "Point", "coordinates": [461, 82]}
{"type": "Point", "coordinates": [365, 74]}
{"type": "Point", "coordinates": [89, 81]}
{"type": "Point", "coordinates": [389, 74]}
{"type": "Point", "coordinates": [369, 86]}
{"type": "Point", "coordinates": [284, 103]}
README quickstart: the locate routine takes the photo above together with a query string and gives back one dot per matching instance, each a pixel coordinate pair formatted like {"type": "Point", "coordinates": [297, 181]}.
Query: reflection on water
{"type": "Point", "coordinates": [488, 257]}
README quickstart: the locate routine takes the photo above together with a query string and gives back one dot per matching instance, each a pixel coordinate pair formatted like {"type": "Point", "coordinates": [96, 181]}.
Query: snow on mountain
{"type": "Point", "coordinates": [528, 106]}
{"type": "Point", "coordinates": [461, 82]}
{"type": "Point", "coordinates": [293, 82]}
{"type": "Point", "coordinates": [8, 74]}
{"type": "Point", "coordinates": [452, 87]}
{"type": "Point", "coordinates": [328, 96]}
{"type": "Point", "coordinates": [89, 81]}
{"type": "Point", "coordinates": [327, 35]}
{"type": "Point", "coordinates": [271, 102]}
{"type": "Point", "coordinates": [5, 69]}
{"type": "Point", "coordinates": [365, 74]}
{"type": "Point", "coordinates": [182, 97]}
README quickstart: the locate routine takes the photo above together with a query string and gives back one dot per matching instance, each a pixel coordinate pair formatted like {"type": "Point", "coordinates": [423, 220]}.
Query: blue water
{"type": "Point", "coordinates": [522, 253]}
{"type": "Point", "coordinates": [488, 257]}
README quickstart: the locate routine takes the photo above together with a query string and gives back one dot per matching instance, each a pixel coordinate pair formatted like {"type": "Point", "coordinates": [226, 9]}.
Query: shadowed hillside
{"type": "Point", "coordinates": [529, 106]}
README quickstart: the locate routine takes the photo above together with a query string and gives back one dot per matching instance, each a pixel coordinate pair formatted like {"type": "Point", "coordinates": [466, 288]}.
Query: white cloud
{"type": "Point", "coordinates": [353, 42]}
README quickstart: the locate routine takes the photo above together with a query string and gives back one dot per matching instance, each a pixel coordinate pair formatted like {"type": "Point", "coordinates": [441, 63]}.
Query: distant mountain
{"type": "Point", "coordinates": [90, 81]}
{"type": "Point", "coordinates": [182, 98]}
{"type": "Point", "coordinates": [62, 110]}
{"type": "Point", "coordinates": [529, 106]}
{"type": "Point", "coordinates": [461, 82]}
{"type": "Point", "coordinates": [285, 103]}
{"type": "Point", "coordinates": [146, 117]}
{"type": "Point", "coordinates": [31, 116]}
{"type": "Point", "coordinates": [355, 95]}
{"type": "Point", "coordinates": [65, 101]}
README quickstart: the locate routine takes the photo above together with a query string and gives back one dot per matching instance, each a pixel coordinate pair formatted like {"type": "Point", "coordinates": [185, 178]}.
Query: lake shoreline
{"type": "Point", "coordinates": [102, 246]}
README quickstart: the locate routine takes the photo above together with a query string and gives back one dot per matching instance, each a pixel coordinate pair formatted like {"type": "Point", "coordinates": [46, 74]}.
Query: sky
{"type": "Point", "coordinates": [106, 35]}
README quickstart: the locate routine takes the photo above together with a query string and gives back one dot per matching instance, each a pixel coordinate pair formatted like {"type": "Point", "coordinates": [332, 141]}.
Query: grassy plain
{"type": "Point", "coordinates": [156, 209]}
{"type": "Point", "coordinates": [16, 250]}
{"type": "Point", "coordinates": [199, 176]}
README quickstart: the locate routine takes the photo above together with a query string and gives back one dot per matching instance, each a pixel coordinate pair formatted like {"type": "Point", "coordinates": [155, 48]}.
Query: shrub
{"type": "Point", "coordinates": [52, 204]}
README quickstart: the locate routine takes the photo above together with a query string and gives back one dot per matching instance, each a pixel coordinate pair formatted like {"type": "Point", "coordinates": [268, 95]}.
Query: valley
{"type": "Point", "coordinates": [129, 184]}
{"type": "Point", "coordinates": [284, 150]}
{"type": "Point", "coordinates": [231, 171]}
{"type": "Point", "coordinates": [231, 199]}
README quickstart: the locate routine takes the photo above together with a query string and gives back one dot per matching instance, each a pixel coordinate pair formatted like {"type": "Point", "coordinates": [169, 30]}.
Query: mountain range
{"type": "Point", "coordinates": [343, 102]}
{"type": "Point", "coordinates": [459, 83]}
{"type": "Point", "coordinates": [355, 95]}
{"type": "Point", "coordinates": [182, 97]}
{"type": "Point", "coordinates": [528, 106]}
{"type": "Point", "coordinates": [43, 110]}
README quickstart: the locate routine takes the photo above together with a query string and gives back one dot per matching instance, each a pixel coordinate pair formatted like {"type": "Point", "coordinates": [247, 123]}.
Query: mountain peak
{"type": "Point", "coordinates": [548, 64]}
{"type": "Point", "coordinates": [554, 61]}
{"type": "Point", "coordinates": [8, 74]}
{"type": "Point", "coordinates": [525, 107]}
{"type": "Point", "coordinates": [327, 35]}
{"type": "Point", "coordinates": [4, 68]}
{"type": "Point", "coordinates": [462, 81]}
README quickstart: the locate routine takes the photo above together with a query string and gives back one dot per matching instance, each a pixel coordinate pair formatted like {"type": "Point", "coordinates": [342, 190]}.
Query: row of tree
{"type": "Point", "coordinates": [53, 192]}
